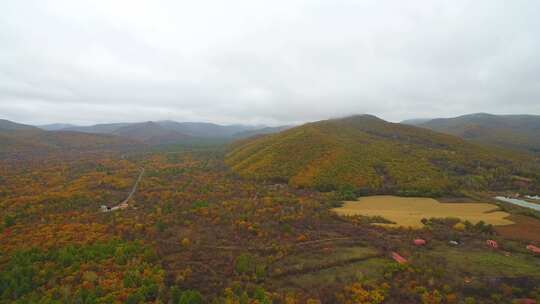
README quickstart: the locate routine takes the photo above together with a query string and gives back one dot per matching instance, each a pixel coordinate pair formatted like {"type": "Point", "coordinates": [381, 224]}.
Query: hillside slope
{"type": "Point", "coordinates": [204, 129]}
{"type": "Point", "coordinates": [57, 127]}
{"type": "Point", "coordinates": [16, 138]}
{"type": "Point", "coordinates": [97, 129]}
{"type": "Point", "coordinates": [42, 141]}
{"type": "Point", "coordinates": [519, 132]}
{"type": "Point", "coordinates": [367, 153]}
{"type": "Point", "coordinates": [263, 131]}
{"type": "Point", "coordinates": [415, 121]}
{"type": "Point", "coordinates": [200, 130]}
{"type": "Point", "coordinates": [10, 125]}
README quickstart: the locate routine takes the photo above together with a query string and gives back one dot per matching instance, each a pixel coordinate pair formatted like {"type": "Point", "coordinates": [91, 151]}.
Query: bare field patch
{"type": "Point", "coordinates": [525, 228]}
{"type": "Point", "coordinates": [409, 211]}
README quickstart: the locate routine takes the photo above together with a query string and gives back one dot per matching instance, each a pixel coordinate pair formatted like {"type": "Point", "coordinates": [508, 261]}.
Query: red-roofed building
{"type": "Point", "coordinates": [534, 249]}
{"type": "Point", "coordinates": [492, 244]}
{"type": "Point", "coordinates": [398, 258]}
{"type": "Point", "coordinates": [419, 242]}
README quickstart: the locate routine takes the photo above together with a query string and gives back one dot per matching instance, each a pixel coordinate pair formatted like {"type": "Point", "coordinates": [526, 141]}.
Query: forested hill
{"type": "Point", "coordinates": [19, 138]}
{"type": "Point", "coordinates": [150, 133]}
{"type": "Point", "coordinates": [6, 125]}
{"type": "Point", "coordinates": [519, 132]}
{"type": "Point", "coordinates": [367, 153]}
{"type": "Point", "coordinates": [46, 141]}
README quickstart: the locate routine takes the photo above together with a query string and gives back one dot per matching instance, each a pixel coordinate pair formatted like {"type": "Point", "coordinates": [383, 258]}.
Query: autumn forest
{"type": "Point", "coordinates": [196, 231]}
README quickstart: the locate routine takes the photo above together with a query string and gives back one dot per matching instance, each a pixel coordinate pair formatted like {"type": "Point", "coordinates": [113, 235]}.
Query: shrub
{"type": "Point", "coordinates": [346, 193]}
{"type": "Point", "coordinates": [90, 276]}
{"type": "Point", "coordinates": [135, 298]}
{"type": "Point", "coordinates": [244, 263]}
{"type": "Point", "coordinates": [150, 291]}
{"type": "Point", "coordinates": [9, 221]}
{"type": "Point", "coordinates": [260, 295]}
{"type": "Point", "coordinates": [433, 297]}
{"type": "Point", "coordinates": [186, 296]}
{"type": "Point", "coordinates": [199, 204]}
{"type": "Point", "coordinates": [260, 271]}
{"type": "Point", "coordinates": [470, 300]}
{"type": "Point", "coordinates": [85, 296]}
{"type": "Point", "coordinates": [185, 242]}
{"type": "Point", "coordinates": [161, 226]}
{"type": "Point", "coordinates": [459, 226]}
{"type": "Point", "coordinates": [360, 293]}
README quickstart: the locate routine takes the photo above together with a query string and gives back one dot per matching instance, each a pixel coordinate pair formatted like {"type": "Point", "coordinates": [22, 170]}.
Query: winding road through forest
{"type": "Point", "coordinates": [124, 203]}
{"type": "Point", "coordinates": [134, 189]}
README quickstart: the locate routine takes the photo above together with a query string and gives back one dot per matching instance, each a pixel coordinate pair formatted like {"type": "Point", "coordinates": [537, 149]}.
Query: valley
{"type": "Point", "coordinates": [269, 152]}
{"type": "Point", "coordinates": [196, 229]}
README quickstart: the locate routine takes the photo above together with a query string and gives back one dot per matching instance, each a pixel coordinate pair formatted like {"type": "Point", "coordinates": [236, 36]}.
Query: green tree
{"type": "Point", "coordinates": [244, 263]}
{"type": "Point", "coordinates": [9, 221]}
{"type": "Point", "coordinates": [186, 296]}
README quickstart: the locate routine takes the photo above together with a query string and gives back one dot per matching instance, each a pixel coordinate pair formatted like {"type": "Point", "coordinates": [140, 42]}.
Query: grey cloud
{"type": "Point", "coordinates": [266, 62]}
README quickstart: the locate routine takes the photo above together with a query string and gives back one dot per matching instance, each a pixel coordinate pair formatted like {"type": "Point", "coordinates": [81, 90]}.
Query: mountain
{"type": "Point", "coordinates": [369, 154]}
{"type": "Point", "coordinates": [16, 138]}
{"type": "Point", "coordinates": [203, 129]}
{"type": "Point", "coordinates": [415, 121]}
{"type": "Point", "coordinates": [79, 140]}
{"type": "Point", "coordinates": [262, 131]}
{"type": "Point", "coordinates": [10, 125]}
{"type": "Point", "coordinates": [56, 127]}
{"type": "Point", "coordinates": [193, 129]}
{"type": "Point", "coordinates": [518, 132]}
{"type": "Point", "coordinates": [98, 129]}
{"type": "Point", "coordinates": [43, 141]}
{"type": "Point", "coordinates": [150, 133]}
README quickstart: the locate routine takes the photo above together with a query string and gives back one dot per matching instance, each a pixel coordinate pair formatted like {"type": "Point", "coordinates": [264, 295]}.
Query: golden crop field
{"type": "Point", "coordinates": [409, 211]}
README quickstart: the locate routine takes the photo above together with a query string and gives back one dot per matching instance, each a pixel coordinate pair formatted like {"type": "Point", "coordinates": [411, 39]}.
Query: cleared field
{"type": "Point", "coordinates": [409, 211]}
{"type": "Point", "coordinates": [311, 269]}
{"type": "Point", "coordinates": [315, 260]}
{"type": "Point", "coordinates": [489, 263]}
{"type": "Point", "coordinates": [363, 270]}
{"type": "Point", "coordinates": [525, 228]}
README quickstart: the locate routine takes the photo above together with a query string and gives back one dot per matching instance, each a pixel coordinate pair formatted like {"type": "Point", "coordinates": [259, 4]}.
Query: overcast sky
{"type": "Point", "coordinates": [271, 62]}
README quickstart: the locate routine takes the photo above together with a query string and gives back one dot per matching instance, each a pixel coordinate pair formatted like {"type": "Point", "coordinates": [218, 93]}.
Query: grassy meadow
{"type": "Point", "coordinates": [409, 211]}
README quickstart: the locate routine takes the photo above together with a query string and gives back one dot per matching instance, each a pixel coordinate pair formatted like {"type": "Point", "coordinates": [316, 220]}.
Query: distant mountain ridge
{"type": "Point", "coordinates": [16, 137]}
{"type": "Point", "coordinates": [204, 129]}
{"type": "Point", "coordinates": [38, 141]}
{"type": "Point", "coordinates": [10, 125]}
{"type": "Point", "coordinates": [263, 131]}
{"type": "Point", "coordinates": [98, 129]}
{"type": "Point", "coordinates": [150, 133]}
{"type": "Point", "coordinates": [415, 121]}
{"type": "Point", "coordinates": [518, 132]}
{"type": "Point", "coordinates": [190, 129]}
{"type": "Point", "coordinates": [56, 127]}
